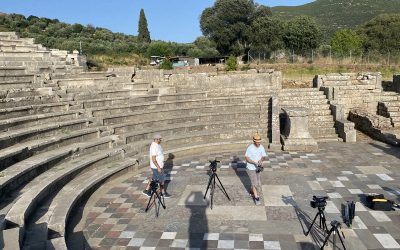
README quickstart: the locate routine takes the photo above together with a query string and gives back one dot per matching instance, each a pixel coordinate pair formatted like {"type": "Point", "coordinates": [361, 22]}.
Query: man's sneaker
{"type": "Point", "coordinates": [166, 195]}
{"type": "Point", "coordinates": [147, 193]}
{"type": "Point", "coordinates": [257, 201]}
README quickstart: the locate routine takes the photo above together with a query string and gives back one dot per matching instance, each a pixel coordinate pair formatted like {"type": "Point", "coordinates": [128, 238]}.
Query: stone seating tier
{"type": "Point", "coordinates": [177, 118]}
{"type": "Point", "coordinates": [24, 150]}
{"type": "Point", "coordinates": [6, 113]}
{"type": "Point", "coordinates": [13, 137]}
{"type": "Point", "coordinates": [23, 171]}
{"type": "Point", "coordinates": [53, 179]}
{"type": "Point", "coordinates": [17, 123]}
{"type": "Point", "coordinates": [63, 204]}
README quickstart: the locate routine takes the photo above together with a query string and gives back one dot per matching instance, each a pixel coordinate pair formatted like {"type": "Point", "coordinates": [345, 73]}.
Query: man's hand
{"type": "Point", "coordinates": [159, 169]}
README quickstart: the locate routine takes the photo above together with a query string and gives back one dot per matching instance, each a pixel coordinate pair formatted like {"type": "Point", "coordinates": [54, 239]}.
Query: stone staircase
{"type": "Point", "coordinates": [321, 123]}
{"type": "Point", "coordinates": [389, 106]}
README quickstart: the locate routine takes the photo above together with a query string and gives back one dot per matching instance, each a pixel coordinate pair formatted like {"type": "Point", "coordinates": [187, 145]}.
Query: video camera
{"type": "Point", "coordinates": [259, 168]}
{"type": "Point", "coordinates": [154, 184]}
{"type": "Point", "coordinates": [213, 165]}
{"type": "Point", "coordinates": [318, 201]}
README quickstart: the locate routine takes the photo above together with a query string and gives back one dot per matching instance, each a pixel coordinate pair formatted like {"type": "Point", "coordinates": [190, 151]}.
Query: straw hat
{"type": "Point", "coordinates": [157, 136]}
{"type": "Point", "coordinates": [256, 137]}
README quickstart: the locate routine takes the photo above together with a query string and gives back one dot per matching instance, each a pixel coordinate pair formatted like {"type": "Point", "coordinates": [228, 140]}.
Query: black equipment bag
{"type": "Point", "coordinates": [382, 205]}
{"type": "Point", "coordinates": [370, 197]}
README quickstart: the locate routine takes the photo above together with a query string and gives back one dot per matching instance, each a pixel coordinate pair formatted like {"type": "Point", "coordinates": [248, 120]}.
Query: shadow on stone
{"type": "Point", "coordinates": [168, 166]}
{"type": "Point", "coordinates": [198, 224]}
{"type": "Point", "coordinates": [305, 221]}
{"type": "Point", "coordinates": [243, 176]}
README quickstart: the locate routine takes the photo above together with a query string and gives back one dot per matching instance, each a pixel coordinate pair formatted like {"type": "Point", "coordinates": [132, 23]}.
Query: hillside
{"type": "Point", "coordinates": [336, 14]}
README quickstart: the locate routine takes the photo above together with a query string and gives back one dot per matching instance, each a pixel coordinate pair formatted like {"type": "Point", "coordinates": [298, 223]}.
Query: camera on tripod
{"type": "Point", "coordinates": [318, 201]}
{"type": "Point", "coordinates": [259, 168]}
{"type": "Point", "coordinates": [154, 184]}
{"type": "Point", "coordinates": [213, 165]}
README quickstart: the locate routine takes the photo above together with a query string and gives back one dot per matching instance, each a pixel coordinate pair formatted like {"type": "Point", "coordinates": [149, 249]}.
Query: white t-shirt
{"type": "Point", "coordinates": [156, 149]}
{"type": "Point", "coordinates": [255, 154]}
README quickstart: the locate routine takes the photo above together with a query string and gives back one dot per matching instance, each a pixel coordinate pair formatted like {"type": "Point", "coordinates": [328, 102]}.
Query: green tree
{"type": "Point", "coordinates": [159, 49]}
{"type": "Point", "coordinates": [268, 33]}
{"type": "Point", "coordinates": [166, 64]}
{"type": "Point", "coordinates": [143, 32]}
{"type": "Point", "coordinates": [346, 41]}
{"type": "Point", "coordinates": [228, 24]}
{"type": "Point", "coordinates": [302, 34]}
{"type": "Point", "coordinates": [382, 33]}
{"type": "Point", "coordinates": [231, 64]}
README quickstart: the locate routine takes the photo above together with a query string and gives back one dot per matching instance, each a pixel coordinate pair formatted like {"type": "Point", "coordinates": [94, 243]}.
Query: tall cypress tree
{"type": "Point", "coordinates": [144, 34]}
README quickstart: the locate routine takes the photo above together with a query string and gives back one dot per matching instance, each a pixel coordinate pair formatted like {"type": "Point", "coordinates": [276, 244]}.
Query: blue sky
{"type": "Point", "coordinates": [168, 20]}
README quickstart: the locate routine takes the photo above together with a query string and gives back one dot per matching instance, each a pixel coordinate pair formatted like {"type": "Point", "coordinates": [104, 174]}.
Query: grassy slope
{"type": "Point", "coordinates": [335, 14]}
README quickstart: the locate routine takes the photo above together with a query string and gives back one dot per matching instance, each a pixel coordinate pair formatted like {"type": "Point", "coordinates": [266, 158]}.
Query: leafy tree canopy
{"type": "Point", "coordinates": [302, 34]}
{"type": "Point", "coordinates": [228, 24]}
{"type": "Point", "coordinates": [382, 33]}
{"type": "Point", "coordinates": [346, 41]}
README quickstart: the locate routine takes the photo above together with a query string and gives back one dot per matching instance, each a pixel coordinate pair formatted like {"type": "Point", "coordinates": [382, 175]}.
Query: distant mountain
{"type": "Point", "coordinates": [336, 14]}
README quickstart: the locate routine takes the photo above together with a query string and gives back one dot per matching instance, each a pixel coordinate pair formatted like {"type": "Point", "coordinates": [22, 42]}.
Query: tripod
{"type": "Point", "coordinates": [211, 183]}
{"type": "Point", "coordinates": [335, 230]}
{"type": "Point", "coordinates": [322, 221]}
{"type": "Point", "coordinates": [154, 194]}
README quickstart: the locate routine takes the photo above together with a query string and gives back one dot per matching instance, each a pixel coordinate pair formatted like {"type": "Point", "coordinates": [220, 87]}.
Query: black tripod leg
{"type": "Point", "coordinates": [209, 183]}
{"type": "Point", "coordinates": [160, 201]}
{"type": "Point", "coordinates": [148, 204]}
{"type": "Point", "coordinates": [327, 238]}
{"type": "Point", "coordinates": [309, 229]}
{"type": "Point", "coordinates": [212, 191]}
{"type": "Point", "coordinates": [341, 240]}
{"type": "Point", "coordinates": [223, 189]}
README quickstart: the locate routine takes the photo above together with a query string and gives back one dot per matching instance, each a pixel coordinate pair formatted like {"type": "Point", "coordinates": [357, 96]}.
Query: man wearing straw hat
{"type": "Point", "coordinates": [255, 155]}
{"type": "Point", "coordinates": [157, 165]}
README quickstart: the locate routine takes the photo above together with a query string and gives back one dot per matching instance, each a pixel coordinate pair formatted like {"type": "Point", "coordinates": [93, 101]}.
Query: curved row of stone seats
{"type": "Point", "coordinates": [8, 35]}
{"type": "Point", "coordinates": [51, 181]}
{"type": "Point", "coordinates": [19, 111]}
{"type": "Point", "coordinates": [63, 204]}
{"type": "Point", "coordinates": [21, 47]}
{"type": "Point", "coordinates": [16, 123]}
{"type": "Point", "coordinates": [24, 150]}
{"type": "Point", "coordinates": [115, 111]}
{"type": "Point", "coordinates": [39, 131]}
{"type": "Point", "coordinates": [47, 184]}
{"type": "Point", "coordinates": [23, 171]}
{"type": "Point", "coordinates": [321, 122]}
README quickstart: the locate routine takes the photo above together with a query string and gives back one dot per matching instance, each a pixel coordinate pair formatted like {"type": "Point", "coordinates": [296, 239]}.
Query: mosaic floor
{"type": "Point", "coordinates": [115, 217]}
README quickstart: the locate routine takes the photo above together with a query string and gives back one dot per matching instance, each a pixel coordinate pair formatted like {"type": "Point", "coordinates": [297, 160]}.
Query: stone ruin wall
{"type": "Point", "coordinates": [347, 91]}
{"type": "Point", "coordinates": [396, 83]}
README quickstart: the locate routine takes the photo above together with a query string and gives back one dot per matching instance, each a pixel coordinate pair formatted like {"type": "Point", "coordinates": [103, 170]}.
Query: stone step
{"type": "Point", "coordinates": [300, 98]}
{"type": "Point", "coordinates": [117, 101]}
{"type": "Point", "coordinates": [24, 171]}
{"type": "Point", "coordinates": [27, 59]}
{"type": "Point", "coordinates": [190, 128]}
{"type": "Point", "coordinates": [9, 36]}
{"type": "Point", "coordinates": [183, 96]}
{"type": "Point", "coordinates": [7, 113]}
{"type": "Point", "coordinates": [13, 137]}
{"type": "Point", "coordinates": [303, 102]}
{"type": "Point", "coordinates": [12, 71]}
{"type": "Point", "coordinates": [24, 150]}
{"type": "Point", "coordinates": [209, 103]}
{"type": "Point", "coordinates": [174, 118]}
{"type": "Point", "coordinates": [10, 102]}
{"type": "Point", "coordinates": [41, 54]}
{"type": "Point", "coordinates": [63, 204]}
{"type": "Point", "coordinates": [15, 84]}
{"type": "Point", "coordinates": [37, 119]}
{"type": "Point", "coordinates": [101, 94]}
{"type": "Point", "coordinates": [18, 77]}
{"type": "Point", "coordinates": [20, 48]}
{"type": "Point", "coordinates": [311, 107]}
{"type": "Point", "coordinates": [134, 112]}
{"type": "Point", "coordinates": [53, 180]}
{"type": "Point", "coordinates": [134, 85]}
{"type": "Point", "coordinates": [391, 103]}
{"type": "Point", "coordinates": [320, 119]}
{"type": "Point", "coordinates": [12, 41]}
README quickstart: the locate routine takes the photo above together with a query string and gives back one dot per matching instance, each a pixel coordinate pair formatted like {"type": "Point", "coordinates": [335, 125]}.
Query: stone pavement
{"type": "Point", "coordinates": [114, 217]}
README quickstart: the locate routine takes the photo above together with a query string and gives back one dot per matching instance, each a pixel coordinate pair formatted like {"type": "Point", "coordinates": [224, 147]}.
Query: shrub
{"type": "Point", "coordinates": [166, 64]}
{"type": "Point", "coordinates": [231, 64]}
